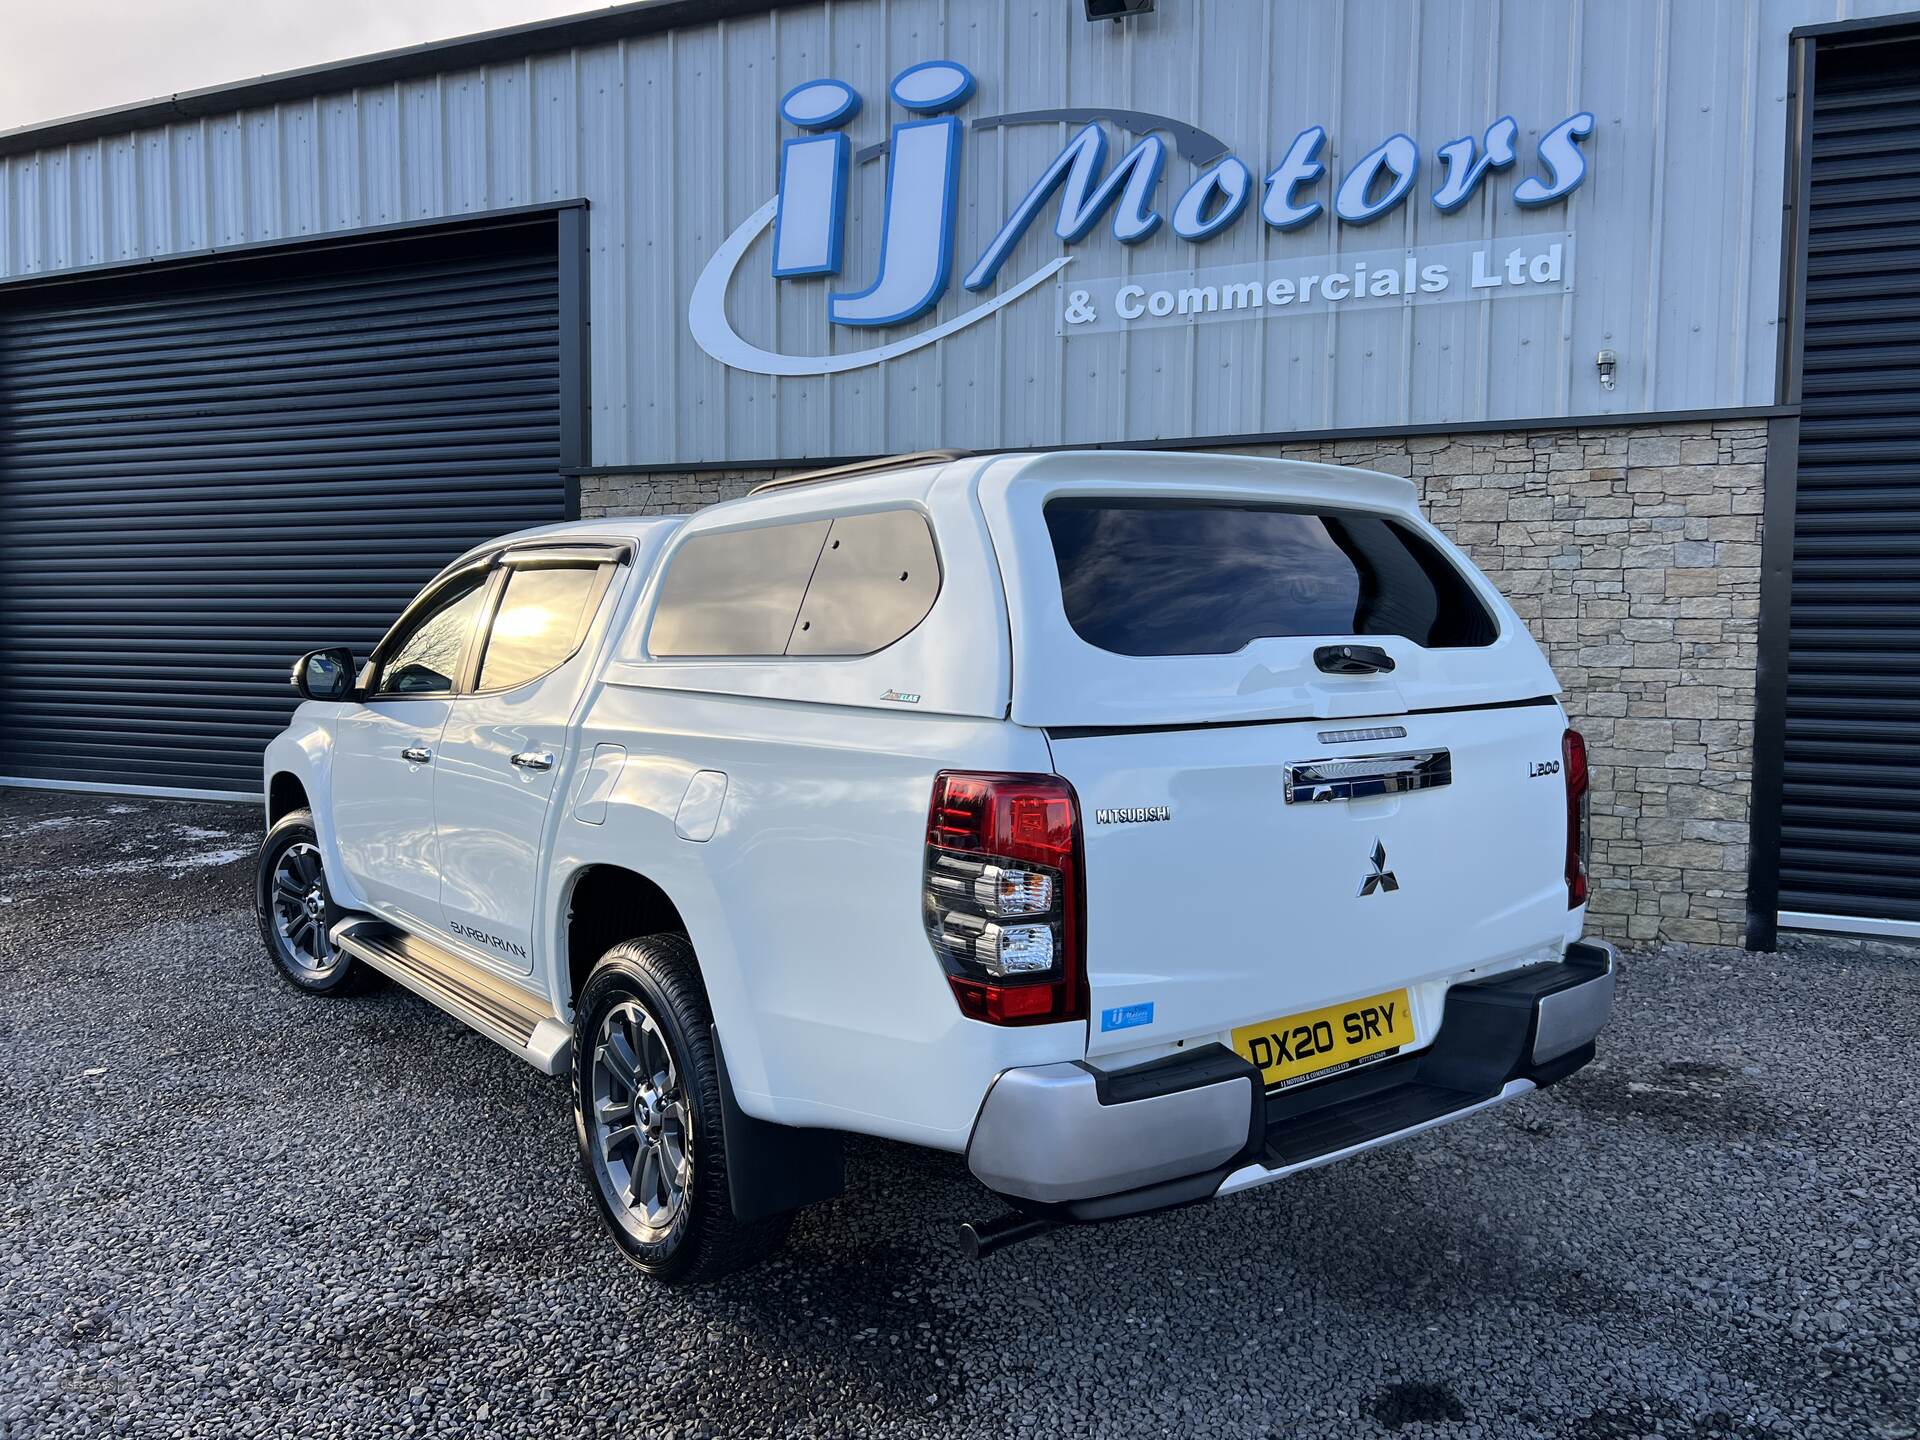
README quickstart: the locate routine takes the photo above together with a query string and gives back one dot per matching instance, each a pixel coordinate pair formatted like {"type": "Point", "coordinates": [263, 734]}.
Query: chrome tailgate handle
{"type": "Point", "coordinates": [1359, 777]}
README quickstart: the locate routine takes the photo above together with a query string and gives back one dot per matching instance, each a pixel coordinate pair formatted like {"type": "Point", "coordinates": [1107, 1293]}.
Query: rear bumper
{"type": "Point", "coordinates": [1077, 1143]}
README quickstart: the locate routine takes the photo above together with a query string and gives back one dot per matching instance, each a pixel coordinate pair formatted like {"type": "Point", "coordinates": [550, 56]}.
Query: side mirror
{"type": "Point", "coordinates": [324, 675]}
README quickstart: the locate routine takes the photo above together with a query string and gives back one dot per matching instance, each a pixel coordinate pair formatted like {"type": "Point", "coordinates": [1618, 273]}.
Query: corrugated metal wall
{"type": "Point", "coordinates": [204, 474]}
{"type": "Point", "coordinates": [1850, 811]}
{"type": "Point", "coordinates": [673, 139]}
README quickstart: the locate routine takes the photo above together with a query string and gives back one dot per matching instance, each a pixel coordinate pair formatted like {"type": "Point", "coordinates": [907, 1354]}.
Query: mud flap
{"type": "Point", "coordinates": [774, 1168]}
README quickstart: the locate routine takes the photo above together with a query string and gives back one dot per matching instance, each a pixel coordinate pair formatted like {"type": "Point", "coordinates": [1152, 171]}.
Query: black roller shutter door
{"type": "Point", "coordinates": [205, 473]}
{"type": "Point", "coordinates": [1850, 819]}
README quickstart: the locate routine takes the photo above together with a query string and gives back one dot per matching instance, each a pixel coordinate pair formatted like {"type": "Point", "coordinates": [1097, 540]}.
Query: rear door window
{"type": "Point", "coordinates": [543, 616]}
{"type": "Point", "coordinates": [1187, 577]}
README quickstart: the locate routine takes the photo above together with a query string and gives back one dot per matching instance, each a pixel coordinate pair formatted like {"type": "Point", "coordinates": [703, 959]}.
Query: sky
{"type": "Point", "coordinates": [65, 57]}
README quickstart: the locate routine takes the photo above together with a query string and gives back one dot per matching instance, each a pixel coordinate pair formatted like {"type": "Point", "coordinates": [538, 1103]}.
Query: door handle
{"type": "Point", "coordinates": [416, 754]}
{"type": "Point", "coordinates": [534, 759]}
{"type": "Point", "coordinates": [1361, 777]}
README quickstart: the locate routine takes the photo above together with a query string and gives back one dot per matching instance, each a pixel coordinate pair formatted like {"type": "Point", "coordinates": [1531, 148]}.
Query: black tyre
{"type": "Point", "coordinates": [296, 909]}
{"type": "Point", "coordinates": [646, 1104]}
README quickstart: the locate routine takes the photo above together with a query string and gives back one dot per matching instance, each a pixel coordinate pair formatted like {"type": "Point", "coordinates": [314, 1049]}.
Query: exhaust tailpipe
{"type": "Point", "coordinates": [980, 1238]}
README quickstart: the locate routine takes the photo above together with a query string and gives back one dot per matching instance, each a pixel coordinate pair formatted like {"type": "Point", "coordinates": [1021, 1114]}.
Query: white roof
{"type": "Point", "coordinates": [1286, 479]}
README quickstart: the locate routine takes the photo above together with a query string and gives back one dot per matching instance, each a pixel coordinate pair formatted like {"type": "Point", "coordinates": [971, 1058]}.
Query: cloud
{"type": "Point", "coordinates": [79, 55]}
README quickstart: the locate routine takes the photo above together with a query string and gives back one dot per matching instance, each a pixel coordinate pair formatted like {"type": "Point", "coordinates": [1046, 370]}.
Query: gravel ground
{"type": "Point", "coordinates": [230, 1209]}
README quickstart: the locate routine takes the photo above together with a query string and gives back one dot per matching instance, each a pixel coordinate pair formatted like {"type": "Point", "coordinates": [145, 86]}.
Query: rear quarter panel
{"type": "Point", "coordinates": [804, 906]}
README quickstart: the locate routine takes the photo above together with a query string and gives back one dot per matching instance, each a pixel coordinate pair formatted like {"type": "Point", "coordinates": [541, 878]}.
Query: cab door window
{"type": "Point", "coordinates": [426, 657]}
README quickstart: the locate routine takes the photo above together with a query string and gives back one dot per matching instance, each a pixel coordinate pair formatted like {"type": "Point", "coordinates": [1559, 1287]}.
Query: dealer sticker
{"type": "Point", "coordinates": [1126, 1017]}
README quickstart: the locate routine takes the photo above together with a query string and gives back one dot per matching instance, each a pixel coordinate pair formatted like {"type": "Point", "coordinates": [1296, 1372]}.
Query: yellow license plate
{"type": "Point", "coordinates": [1303, 1047]}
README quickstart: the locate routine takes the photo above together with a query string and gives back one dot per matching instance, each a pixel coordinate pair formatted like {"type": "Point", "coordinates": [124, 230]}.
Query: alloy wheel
{"type": "Point", "coordinates": [641, 1123]}
{"type": "Point", "coordinates": [299, 902]}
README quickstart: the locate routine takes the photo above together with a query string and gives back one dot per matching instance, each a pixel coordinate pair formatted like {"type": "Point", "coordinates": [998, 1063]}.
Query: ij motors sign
{"type": "Point", "coordinates": [921, 247]}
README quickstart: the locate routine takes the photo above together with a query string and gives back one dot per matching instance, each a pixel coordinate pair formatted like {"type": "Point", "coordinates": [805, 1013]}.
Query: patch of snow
{"type": "Point", "coordinates": [194, 832]}
{"type": "Point", "coordinates": [207, 858]}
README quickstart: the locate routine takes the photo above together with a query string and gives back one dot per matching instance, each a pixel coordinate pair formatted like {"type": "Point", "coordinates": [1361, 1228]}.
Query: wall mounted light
{"type": "Point", "coordinates": [1118, 9]}
{"type": "Point", "coordinates": [1605, 362]}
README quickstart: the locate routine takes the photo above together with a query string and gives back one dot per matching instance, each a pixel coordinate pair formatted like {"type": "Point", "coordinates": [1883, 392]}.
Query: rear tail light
{"type": "Point", "coordinates": [1573, 764]}
{"type": "Point", "coordinates": [1002, 896]}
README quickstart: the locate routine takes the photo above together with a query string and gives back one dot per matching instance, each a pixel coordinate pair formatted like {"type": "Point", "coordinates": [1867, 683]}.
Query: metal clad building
{"type": "Point", "coordinates": [673, 138]}
{"type": "Point", "coordinates": [271, 353]}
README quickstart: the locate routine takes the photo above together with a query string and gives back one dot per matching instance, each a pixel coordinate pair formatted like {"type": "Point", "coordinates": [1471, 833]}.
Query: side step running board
{"type": "Point", "coordinates": [502, 1012]}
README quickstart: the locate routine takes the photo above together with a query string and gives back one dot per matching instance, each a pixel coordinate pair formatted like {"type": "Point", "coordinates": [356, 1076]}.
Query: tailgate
{"type": "Point", "coordinates": [1218, 902]}
{"type": "Point", "coordinates": [1185, 629]}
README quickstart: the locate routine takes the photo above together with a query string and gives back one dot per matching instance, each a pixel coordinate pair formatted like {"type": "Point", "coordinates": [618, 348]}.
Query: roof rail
{"type": "Point", "coordinates": [860, 467]}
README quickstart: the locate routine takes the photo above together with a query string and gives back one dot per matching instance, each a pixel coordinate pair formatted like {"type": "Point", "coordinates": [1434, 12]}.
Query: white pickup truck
{"type": "Point", "coordinates": [1144, 827]}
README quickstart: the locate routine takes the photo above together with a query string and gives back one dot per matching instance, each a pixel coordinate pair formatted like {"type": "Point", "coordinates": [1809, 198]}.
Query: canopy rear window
{"type": "Point", "coordinates": [1207, 577]}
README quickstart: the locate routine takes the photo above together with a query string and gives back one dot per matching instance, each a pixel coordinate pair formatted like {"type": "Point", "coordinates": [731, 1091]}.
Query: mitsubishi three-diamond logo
{"type": "Point", "coordinates": [1381, 878]}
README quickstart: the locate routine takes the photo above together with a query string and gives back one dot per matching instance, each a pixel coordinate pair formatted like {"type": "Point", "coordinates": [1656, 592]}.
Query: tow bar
{"type": "Point", "coordinates": [980, 1238]}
